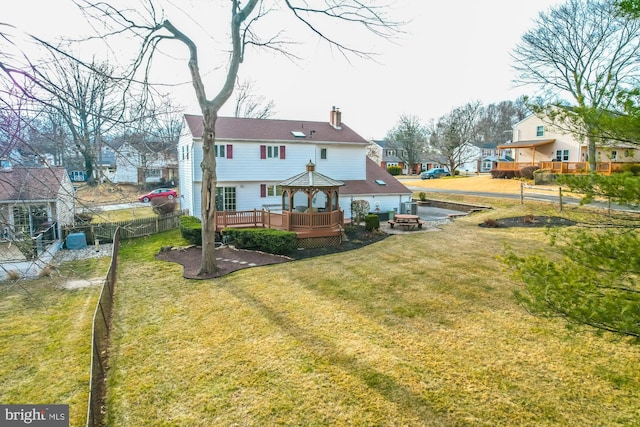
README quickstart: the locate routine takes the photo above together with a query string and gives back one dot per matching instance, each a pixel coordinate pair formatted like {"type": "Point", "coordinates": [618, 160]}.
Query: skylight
{"type": "Point", "coordinates": [298, 134]}
{"type": "Point", "coordinates": [380, 182]}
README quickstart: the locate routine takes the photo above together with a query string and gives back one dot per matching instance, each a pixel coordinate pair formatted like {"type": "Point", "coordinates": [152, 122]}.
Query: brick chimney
{"type": "Point", "coordinates": [335, 118]}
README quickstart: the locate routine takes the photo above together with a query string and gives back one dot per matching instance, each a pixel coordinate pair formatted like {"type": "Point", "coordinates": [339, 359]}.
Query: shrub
{"type": "Point", "coordinates": [263, 239]}
{"type": "Point", "coordinates": [371, 222]}
{"type": "Point", "coordinates": [634, 168]}
{"type": "Point", "coordinates": [394, 170]}
{"type": "Point", "coordinates": [191, 229]}
{"type": "Point", "coordinates": [422, 196]}
{"type": "Point", "coordinates": [162, 205]}
{"type": "Point", "coordinates": [504, 174]}
{"type": "Point", "coordinates": [359, 208]}
{"type": "Point", "coordinates": [491, 223]}
{"type": "Point", "coordinates": [528, 171]}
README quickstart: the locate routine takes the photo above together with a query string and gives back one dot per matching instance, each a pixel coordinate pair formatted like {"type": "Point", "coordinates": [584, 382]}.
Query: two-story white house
{"type": "Point", "coordinates": [255, 155]}
{"type": "Point", "coordinates": [537, 141]}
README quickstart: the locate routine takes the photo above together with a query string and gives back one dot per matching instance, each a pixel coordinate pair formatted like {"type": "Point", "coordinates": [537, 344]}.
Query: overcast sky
{"type": "Point", "coordinates": [451, 52]}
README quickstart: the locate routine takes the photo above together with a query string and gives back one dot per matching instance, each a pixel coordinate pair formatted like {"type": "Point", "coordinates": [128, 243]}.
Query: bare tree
{"type": "Point", "coordinates": [452, 136]}
{"type": "Point", "coordinates": [409, 140]}
{"type": "Point", "coordinates": [152, 30]}
{"type": "Point", "coordinates": [583, 52]}
{"type": "Point", "coordinates": [251, 105]}
{"type": "Point", "coordinates": [497, 120]}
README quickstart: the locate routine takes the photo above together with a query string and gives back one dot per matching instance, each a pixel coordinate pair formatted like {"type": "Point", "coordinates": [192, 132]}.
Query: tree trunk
{"type": "Point", "coordinates": [208, 264]}
{"type": "Point", "coordinates": [591, 154]}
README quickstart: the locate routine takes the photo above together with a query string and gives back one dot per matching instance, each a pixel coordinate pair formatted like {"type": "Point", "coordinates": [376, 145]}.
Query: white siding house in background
{"type": "Point", "coordinates": [135, 167]}
{"type": "Point", "coordinates": [535, 140]}
{"type": "Point", "coordinates": [254, 155]}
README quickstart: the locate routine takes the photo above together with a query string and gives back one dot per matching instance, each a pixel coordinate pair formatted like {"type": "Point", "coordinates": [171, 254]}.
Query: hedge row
{"type": "Point", "coordinates": [262, 239]}
{"type": "Point", "coordinates": [526, 172]}
{"type": "Point", "coordinates": [191, 229]}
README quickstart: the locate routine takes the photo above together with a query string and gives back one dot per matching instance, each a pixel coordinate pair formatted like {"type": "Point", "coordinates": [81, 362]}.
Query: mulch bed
{"type": "Point", "coordinates": [528, 221]}
{"type": "Point", "coordinates": [231, 259]}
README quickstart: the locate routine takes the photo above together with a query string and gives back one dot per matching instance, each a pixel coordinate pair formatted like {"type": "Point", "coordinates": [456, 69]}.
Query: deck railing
{"type": "Point", "coordinates": [564, 167]}
{"type": "Point", "coordinates": [290, 221]}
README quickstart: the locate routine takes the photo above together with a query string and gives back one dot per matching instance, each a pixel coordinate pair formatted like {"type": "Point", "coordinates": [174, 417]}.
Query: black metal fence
{"type": "Point", "coordinates": [100, 340]}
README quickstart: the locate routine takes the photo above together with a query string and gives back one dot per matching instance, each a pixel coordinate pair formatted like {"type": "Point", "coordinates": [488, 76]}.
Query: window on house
{"type": "Point", "coordinates": [323, 153]}
{"type": "Point", "coordinates": [152, 173]}
{"type": "Point", "coordinates": [226, 198]}
{"type": "Point", "coordinates": [540, 131]}
{"type": "Point", "coordinates": [21, 220]}
{"type": "Point", "coordinates": [272, 152]}
{"type": "Point", "coordinates": [220, 150]}
{"type": "Point", "coordinates": [562, 156]}
{"type": "Point", "coordinates": [183, 152]}
{"type": "Point", "coordinates": [187, 152]}
{"type": "Point", "coordinates": [614, 155]}
{"type": "Point", "coordinates": [270, 190]}
{"type": "Point", "coordinates": [274, 190]}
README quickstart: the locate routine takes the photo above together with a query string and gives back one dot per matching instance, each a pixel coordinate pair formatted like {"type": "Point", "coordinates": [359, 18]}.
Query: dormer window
{"type": "Point", "coordinates": [298, 134]}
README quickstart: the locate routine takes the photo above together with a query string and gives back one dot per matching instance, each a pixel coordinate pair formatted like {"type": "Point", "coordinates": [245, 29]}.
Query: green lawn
{"type": "Point", "coordinates": [418, 329]}
{"type": "Point", "coordinates": [45, 339]}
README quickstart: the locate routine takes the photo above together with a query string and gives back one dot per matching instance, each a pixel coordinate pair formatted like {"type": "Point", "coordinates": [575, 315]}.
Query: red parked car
{"type": "Point", "coordinates": [160, 192]}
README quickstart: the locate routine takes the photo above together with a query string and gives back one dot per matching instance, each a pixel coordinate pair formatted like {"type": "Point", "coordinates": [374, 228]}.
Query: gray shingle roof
{"type": "Point", "coordinates": [30, 184]}
{"type": "Point", "coordinates": [232, 128]}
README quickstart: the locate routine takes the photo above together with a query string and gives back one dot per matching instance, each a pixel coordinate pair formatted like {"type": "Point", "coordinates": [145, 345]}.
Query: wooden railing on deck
{"type": "Point", "coordinates": [605, 168]}
{"type": "Point", "coordinates": [314, 219]}
{"type": "Point", "coordinates": [281, 221]}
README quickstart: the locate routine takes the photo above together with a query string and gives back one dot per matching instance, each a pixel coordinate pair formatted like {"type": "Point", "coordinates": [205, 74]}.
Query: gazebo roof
{"type": "Point", "coordinates": [311, 178]}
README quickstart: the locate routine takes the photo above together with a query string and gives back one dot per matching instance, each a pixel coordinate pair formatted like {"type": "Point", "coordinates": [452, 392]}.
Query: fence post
{"type": "Point", "coordinates": [560, 197]}
{"type": "Point", "coordinates": [521, 192]}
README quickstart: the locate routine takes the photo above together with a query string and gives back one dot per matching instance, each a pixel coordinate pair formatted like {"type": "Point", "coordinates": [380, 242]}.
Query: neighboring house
{"type": "Point", "coordinates": [35, 200]}
{"type": "Point", "coordinates": [390, 157]}
{"type": "Point", "coordinates": [538, 142]}
{"type": "Point", "coordinates": [255, 155]}
{"type": "Point", "coordinates": [135, 167]}
{"type": "Point", "coordinates": [435, 161]}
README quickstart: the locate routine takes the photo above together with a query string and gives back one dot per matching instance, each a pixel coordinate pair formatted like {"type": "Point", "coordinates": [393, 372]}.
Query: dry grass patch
{"type": "Point", "coordinates": [481, 183]}
{"type": "Point", "coordinates": [419, 329]}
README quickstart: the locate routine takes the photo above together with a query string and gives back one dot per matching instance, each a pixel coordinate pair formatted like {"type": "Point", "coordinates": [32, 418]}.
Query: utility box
{"type": "Point", "coordinates": [409, 208]}
{"type": "Point", "coordinates": [76, 241]}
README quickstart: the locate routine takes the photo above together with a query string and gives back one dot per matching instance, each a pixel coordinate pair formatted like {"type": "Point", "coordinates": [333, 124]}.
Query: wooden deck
{"type": "Point", "coordinates": [305, 225]}
{"type": "Point", "coordinates": [605, 168]}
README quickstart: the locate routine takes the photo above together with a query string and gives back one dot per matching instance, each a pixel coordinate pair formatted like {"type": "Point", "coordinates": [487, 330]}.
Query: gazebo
{"type": "Point", "coordinates": [310, 208]}
{"type": "Point", "coordinates": [310, 204]}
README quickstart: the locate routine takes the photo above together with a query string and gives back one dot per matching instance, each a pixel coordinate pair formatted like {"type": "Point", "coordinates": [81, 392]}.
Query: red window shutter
{"type": "Point", "coordinates": [263, 151]}
{"type": "Point", "coordinates": [283, 154]}
{"type": "Point", "coordinates": [229, 151]}
{"type": "Point", "coordinates": [263, 190]}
